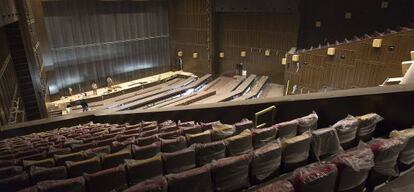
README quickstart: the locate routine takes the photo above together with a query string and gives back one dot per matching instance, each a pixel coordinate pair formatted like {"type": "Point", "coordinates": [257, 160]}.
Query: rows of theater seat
{"type": "Point", "coordinates": [207, 151]}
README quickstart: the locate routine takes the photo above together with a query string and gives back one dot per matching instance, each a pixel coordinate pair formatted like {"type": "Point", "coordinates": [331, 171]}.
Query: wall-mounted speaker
{"type": "Point", "coordinates": [377, 43]}
{"type": "Point", "coordinates": [330, 51]}
{"type": "Point", "coordinates": [243, 54]}
{"type": "Point", "coordinates": [180, 53]}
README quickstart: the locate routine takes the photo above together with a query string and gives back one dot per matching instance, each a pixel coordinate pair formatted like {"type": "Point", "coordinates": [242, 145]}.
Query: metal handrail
{"type": "Point", "coordinates": [262, 112]}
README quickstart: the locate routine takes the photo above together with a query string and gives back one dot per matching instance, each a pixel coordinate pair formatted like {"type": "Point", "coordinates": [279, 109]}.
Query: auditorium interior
{"type": "Point", "coordinates": [206, 95]}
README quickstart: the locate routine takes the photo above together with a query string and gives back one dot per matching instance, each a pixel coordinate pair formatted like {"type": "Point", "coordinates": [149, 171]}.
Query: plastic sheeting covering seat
{"type": "Point", "coordinates": [107, 180]}
{"type": "Point", "coordinates": [239, 144]}
{"type": "Point", "coordinates": [266, 161]}
{"type": "Point", "coordinates": [287, 129]}
{"type": "Point", "coordinates": [38, 174]}
{"type": "Point", "coordinates": [347, 131]}
{"type": "Point", "coordinates": [296, 150]}
{"type": "Point", "coordinates": [76, 169]}
{"type": "Point", "coordinates": [232, 173]}
{"type": "Point", "coordinates": [221, 131]}
{"type": "Point", "coordinates": [206, 153]}
{"type": "Point", "coordinates": [198, 179]}
{"type": "Point", "coordinates": [73, 185]}
{"type": "Point", "coordinates": [158, 184]}
{"type": "Point", "coordinates": [10, 171]}
{"type": "Point", "coordinates": [353, 168]}
{"type": "Point", "coordinates": [179, 161]}
{"type": "Point", "coordinates": [141, 170]}
{"type": "Point", "coordinates": [319, 177]}
{"type": "Point", "coordinates": [263, 136]}
{"type": "Point", "coordinates": [49, 162]}
{"type": "Point", "coordinates": [203, 137]}
{"type": "Point", "coordinates": [143, 141]}
{"type": "Point", "coordinates": [307, 123]}
{"type": "Point", "coordinates": [386, 153]}
{"type": "Point", "coordinates": [172, 145]}
{"type": "Point", "coordinates": [407, 154]}
{"type": "Point", "coordinates": [279, 186]}
{"type": "Point", "coordinates": [325, 142]}
{"type": "Point", "coordinates": [367, 125]}
{"type": "Point", "coordinates": [145, 152]}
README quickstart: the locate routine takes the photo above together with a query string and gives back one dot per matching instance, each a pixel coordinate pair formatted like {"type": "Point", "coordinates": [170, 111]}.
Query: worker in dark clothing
{"type": "Point", "coordinates": [84, 105]}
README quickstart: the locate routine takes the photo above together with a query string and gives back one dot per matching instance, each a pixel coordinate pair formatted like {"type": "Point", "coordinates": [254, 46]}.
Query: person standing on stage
{"type": "Point", "coordinates": [95, 88]}
{"type": "Point", "coordinates": [109, 82]}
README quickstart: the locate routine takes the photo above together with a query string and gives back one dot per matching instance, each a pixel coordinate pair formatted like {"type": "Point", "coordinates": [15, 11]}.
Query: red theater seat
{"type": "Point", "coordinates": [203, 137]}
{"type": "Point", "coordinates": [141, 170]}
{"type": "Point", "coordinates": [206, 153]}
{"type": "Point", "coordinates": [263, 136]}
{"type": "Point", "coordinates": [266, 161]}
{"type": "Point", "coordinates": [172, 145]}
{"type": "Point", "coordinates": [10, 171]}
{"type": "Point", "coordinates": [179, 161]}
{"type": "Point", "coordinates": [198, 179]}
{"type": "Point", "coordinates": [306, 123]}
{"type": "Point", "coordinates": [76, 169]}
{"type": "Point", "coordinates": [145, 152]}
{"type": "Point", "coordinates": [143, 141]}
{"type": "Point", "coordinates": [73, 185]}
{"type": "Point", "coordinates": [158, 184]}
{"type": "Point", "coordinates": [113, 179]}
{"type": "Point", "coordinates": [287, 129]}
{"type": "Point", "coordinates": [243, 125]}
{"type": "Point", "coordinates": [279, 186]}
{"type": "Point", "coordinates": [239, 144]}
{"type": "Point", "coordinates": [60, 159]}
{"type": "Point", "coordinates": [319, 177]}
{"type": "Point", "coordinates": [38, 174]}
{"type": "Point", "coordinates": [115, 159]}
{"type": "Point", "coordinates": [14, 183]}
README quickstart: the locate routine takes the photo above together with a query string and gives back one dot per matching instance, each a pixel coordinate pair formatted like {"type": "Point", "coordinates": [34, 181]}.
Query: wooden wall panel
{"type": "Point", "coordinates": [91, 40]}
{"type": "Point", "coordinates": [8, 84]}
{"type": "Point", "coordinates": [254, 33]}
{"type": "Point", "coordinates": [355, 64]}
{"type": "Point", "coordinates": [192, 25]}
{"type": "Point", "coordinates": [366, 17]}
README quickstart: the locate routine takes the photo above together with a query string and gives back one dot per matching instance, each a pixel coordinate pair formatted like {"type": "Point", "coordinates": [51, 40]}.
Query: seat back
{"type": "Point", "coordinates": [266, 161]}
{"type": "Point", "coordinates": [15, 183]}
{"type": "Point", "coordinates": [239, 144]}
{"type": "Point", "coordinates": [38, 174]}
{"type": "Point", "coordinates": [206, 153]}
{"type": "Point", "coordinates": [141, 170]}
{"type": "Point", "coordinates": [73, 185]}
{"type": "Point", "coordinates": [315, 177]}
{"type": "Point", "coordinates": [232, 173]}
{"type": "Point", "coordinates": [198, 179]}
{"type": "Point", "coordinates": [179, 161]}
{"type": "Point", "coordinates": [60, 159]}
{"type": "Point", "coordinates": [287, 129]}
{"type": "Point", "coordinates": [279, 186]}
{"type": "Point", "coordinates": [325, 142]}
{"type": "Point", "coordinates": [203, 137]}
{"type": "Point", "coordinates": [107, 180]}
{"type": "Point", "coordinates": [145, 152]}
{"type": "Point", "coordinates": [115, 159]}
{"type": "Point", "coordinates": [172, 145]}
{"type": "Point", "coordinates": [307, 123]}
{"type": "Point", "coordinates": [158, 184]}
{"type": "Point", "coordinates": [263, 136]}
{"type": "Point", "coordinates": [76, 169]}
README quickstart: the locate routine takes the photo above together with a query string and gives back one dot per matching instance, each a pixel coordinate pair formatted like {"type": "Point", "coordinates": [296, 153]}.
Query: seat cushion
{"type": "Point", "coordinates": [115, 159]}
{"type": "Point", "coordinates": [203, 137]}
{"type": "Point", "coordinates": [76, 169]}
{"type": "Point", "coordinates": [141, 170]}
{"type": "Point", "coordinates": [73, 185]}
{"type": "Point", "coordinates": [179, 161]}
{"type": "Point", "coordinates": [198, 179]}
{"type": "Point", "coordinates": [239, 144]}
{"type": "Point", "coordinates": [232, 173]}
{"type": "Point", "coordinates": [263, 136]}
{"type": "Point", "coordinates": [38, 174]}
{"type": "Point", "coordinates": [315, 177]}
{"type": "Point", "coordinates": [158, 184]}
{"type": "Point", "coordinates": [287, 129]}
{"type": "Point", "coordinates": [107, 180]}
{"type": "Point", "coordinates": [206, 153]}
{"type": "Point", "coordinates": [172, 145]}
{"type": "Point", "coordinates": [266, 161]}
{"type": "Point", "coordinates": [145, 152]}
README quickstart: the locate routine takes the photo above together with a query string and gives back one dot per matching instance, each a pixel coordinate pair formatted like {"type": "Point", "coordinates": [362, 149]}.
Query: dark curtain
{"type": "Point", "coordinates": [91, 40]}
